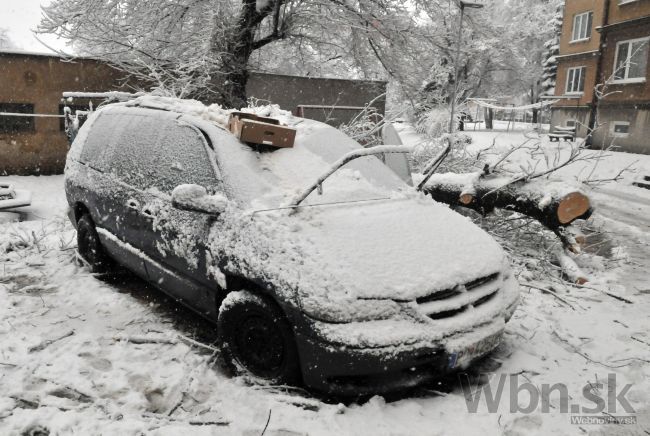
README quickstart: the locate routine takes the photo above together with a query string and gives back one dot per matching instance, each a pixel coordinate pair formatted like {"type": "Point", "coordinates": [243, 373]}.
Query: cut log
{"type": "Point", "coordinates": [572, 207]}
{"type": "Point", "coordinates": [570, 269]}
{"type": "Point", "coordinates": [552, 203]}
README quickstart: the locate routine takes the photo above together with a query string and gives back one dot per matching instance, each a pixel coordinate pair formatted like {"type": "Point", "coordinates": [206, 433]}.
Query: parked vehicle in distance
{"type": "Point", "coordinates": [361, 286]}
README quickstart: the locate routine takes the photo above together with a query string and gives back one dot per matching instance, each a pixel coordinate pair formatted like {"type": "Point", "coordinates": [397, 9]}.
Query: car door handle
{"type": "Point", "coordinates": [133, 205]}
{"type": "Point", "coordinates": [147, 213]}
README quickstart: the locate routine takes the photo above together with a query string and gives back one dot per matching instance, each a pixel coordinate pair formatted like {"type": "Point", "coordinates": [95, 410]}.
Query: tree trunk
{"type": "Point", "coordinates": [235, 48]}
{"type": "Point", "coordinates": [233, 88]}
{"type": "Point", "coordinates": [489, 118]}
{"type": "Point", "coordinates": [234, 64]}
{"type": "Point", "coordinates": [554, 206]}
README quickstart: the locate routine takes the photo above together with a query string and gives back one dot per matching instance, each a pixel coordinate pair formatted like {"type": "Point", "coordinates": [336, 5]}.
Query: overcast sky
{"type": "Point", "coordinates": [19, 17]}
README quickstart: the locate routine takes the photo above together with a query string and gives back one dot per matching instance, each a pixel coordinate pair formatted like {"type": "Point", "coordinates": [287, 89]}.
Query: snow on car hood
{"type": "Point", "coordinates": [401, 249]}
{"type": "Point", "coordinates": [327, 259]}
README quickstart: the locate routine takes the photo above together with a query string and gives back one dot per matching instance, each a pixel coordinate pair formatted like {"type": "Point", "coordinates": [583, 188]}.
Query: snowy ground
{"type": "Point", "coordinates": [65, 365]}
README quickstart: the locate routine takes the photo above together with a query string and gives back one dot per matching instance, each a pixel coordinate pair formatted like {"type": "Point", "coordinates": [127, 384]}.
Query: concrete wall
{"type": "Point", "coordinates": [638, 139]}
{"type": "Point", "coordinates": [560, 116]}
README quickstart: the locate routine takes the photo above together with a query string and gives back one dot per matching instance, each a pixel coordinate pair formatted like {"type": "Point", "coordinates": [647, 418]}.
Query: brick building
{"type": "Point", "coordinates": [33, 84]}
{"type": "Point", "coordinates": [606, 44]}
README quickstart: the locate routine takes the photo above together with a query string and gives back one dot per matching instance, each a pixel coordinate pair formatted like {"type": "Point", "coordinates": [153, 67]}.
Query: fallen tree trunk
{"type": "Point", "coordinates": [555, 204]}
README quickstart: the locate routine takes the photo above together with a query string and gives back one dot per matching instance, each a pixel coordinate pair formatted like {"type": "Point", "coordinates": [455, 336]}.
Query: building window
{"type": "Point", "coordinates": [570, 123]}
{"type": "Point", "coordinates": [575, 81]}
{"type": "Point", "coordinates": [620, 129]}
{"type": "Point", "coordinates": [582, 26]}
{"type": "Point", "coordinates": [631, 60]}
{"type": "Point", "coordinates": [16, 123]}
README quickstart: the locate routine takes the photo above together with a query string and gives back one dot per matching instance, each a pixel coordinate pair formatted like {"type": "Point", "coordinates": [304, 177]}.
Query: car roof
{"type": "Point", "coordinates": [252, 175]}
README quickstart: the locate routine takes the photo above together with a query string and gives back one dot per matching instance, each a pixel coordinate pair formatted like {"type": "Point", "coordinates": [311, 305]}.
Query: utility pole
{"type": "Point", "coordinates": [459, 41]}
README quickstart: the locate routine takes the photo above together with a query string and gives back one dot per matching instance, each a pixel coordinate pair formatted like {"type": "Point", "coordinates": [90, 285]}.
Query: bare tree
{"type": "Point", "coordinates": [182, 46]}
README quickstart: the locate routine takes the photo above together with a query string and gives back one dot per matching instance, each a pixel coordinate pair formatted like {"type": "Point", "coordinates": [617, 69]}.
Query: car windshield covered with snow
{"type": "Point", "coordinates": [270, 178]}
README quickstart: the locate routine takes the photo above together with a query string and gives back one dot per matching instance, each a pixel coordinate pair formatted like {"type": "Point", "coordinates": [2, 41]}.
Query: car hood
{"type": "Point", "coordinates": [332, 255]}
{"type": "Point", "coordinates": [400, 250]}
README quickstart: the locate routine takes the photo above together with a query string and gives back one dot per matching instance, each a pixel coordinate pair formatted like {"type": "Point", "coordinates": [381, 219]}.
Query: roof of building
{"type": "Point", "coordinates": [32, 53]}
{"type": "Point", "coordinates": [70, 56]}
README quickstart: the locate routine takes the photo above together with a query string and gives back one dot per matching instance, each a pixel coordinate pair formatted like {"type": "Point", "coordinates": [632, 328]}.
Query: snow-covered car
{"type": "Point", "coordinates": [320, 271]}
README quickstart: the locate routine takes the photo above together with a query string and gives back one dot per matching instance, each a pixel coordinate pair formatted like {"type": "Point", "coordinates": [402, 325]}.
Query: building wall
{"type": "Point", "coordinates": [560, 116]}
{"type": "Point", "coordinates": [629, 92]}
{"type": "Point", "coordinates": [590, 62]}
{"type": "Point", "coordinates": [573, 8]}
{"type": "Point", "coordinates": [638, 140]}
{"type": "Point", "coordinates": [291, 91]}
{"type": "Point", "coordinates": [40, 80]}
{"type": "Point", "coordinates": [627, 11]}
{"type": "Point", "coordinates": [628, 102]}
{"type": "Point", "coordinates": [580, 53]}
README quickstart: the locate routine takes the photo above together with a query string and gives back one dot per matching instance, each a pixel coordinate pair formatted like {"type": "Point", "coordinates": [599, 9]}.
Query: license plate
{"type": "Point", "coordinates": [461, 358]}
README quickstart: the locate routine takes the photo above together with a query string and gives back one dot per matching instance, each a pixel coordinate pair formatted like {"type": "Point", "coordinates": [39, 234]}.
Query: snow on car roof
{"type": "Point", "coordinates": [269, 178]}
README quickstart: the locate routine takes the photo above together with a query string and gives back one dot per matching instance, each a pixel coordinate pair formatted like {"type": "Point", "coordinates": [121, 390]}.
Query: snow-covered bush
{"type": "Point", "coordinates": [365, 128]}
{"type": "Point", "coordinates": [458, 161]}
{"type": "Point", "coordinates": [433, 122]}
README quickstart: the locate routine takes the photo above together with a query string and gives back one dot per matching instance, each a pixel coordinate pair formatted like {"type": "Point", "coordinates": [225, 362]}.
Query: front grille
{"type": "Point", "coordinates": [442, 295]}
{"type": "Point", "coordinates": [480, 281]}
{"type": "Point", "coordinates": [451, 302]}
{"type": "Point", "coordinates": [447, 313]}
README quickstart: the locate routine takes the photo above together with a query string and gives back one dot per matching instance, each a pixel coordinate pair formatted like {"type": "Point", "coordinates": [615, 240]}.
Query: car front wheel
{"type": "Point", "coordinates": [256, 337]}
{"type": "Point", "coordinates": [90, 247]}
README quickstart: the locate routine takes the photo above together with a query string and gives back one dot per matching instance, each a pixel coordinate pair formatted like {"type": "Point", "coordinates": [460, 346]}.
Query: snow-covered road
{"type": "Point", "coordinates": [67, 365]}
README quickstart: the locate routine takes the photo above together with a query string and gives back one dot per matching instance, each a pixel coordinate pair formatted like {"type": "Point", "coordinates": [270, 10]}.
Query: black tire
{"type": "Point", "coordinates": [90, 247]}
{"type": "Point", "coordinates": [255, 337]}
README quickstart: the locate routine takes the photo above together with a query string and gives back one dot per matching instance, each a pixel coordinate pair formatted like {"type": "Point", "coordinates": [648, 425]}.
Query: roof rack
{"type": "Point", "coordinates": [108, 95]}
{"type": "Point", "coordinates": [72, 121]}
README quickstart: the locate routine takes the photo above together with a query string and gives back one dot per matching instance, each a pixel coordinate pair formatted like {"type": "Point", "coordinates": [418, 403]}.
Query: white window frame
{"type": "Point", "coordinates": [612, 129]}
{"type": "Point", "coordinates": [583, 70]}
{"type": "Point", "coordinates": [624, 2]}
{"type": "Point", "coordinates": [583, 21]}
{"type": "Point", "coordinates": [626, 79]}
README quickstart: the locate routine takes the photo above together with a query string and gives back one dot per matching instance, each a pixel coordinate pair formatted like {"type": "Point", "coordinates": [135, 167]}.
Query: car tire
{"type": "Point", "coordinates": [256, 338]}
{"type": "Point", "coordinates": [90, 247]}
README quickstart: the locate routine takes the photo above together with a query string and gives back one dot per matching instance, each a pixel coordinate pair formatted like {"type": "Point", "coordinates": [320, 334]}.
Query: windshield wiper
{"type": "Point", "coordinates": [434, 164]}
{"type": "Point", "coordinates": [356, 154]}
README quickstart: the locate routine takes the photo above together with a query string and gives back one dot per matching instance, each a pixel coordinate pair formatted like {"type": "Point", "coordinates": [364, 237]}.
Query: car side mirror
{"type": "Point", "coordinates": [195, 198]}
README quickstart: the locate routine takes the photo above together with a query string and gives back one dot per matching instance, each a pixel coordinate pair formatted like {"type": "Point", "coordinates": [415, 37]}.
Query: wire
{"type": "Point", "coordinates": [12, 114]}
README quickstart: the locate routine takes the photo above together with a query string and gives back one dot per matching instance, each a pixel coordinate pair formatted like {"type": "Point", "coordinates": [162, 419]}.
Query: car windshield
{"type": "Point", "coordinates": [271, 179]}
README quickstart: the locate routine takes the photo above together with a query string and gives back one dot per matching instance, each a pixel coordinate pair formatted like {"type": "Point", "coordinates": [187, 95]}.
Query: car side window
{"type": "Point", "coordinates": [101, 140]}
{"type": "Point", "coordinates": [162, 154]}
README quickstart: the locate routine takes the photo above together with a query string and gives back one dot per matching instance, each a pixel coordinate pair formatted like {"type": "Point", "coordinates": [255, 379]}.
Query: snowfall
{"type": "Point", "coordinates": [88, 355]}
